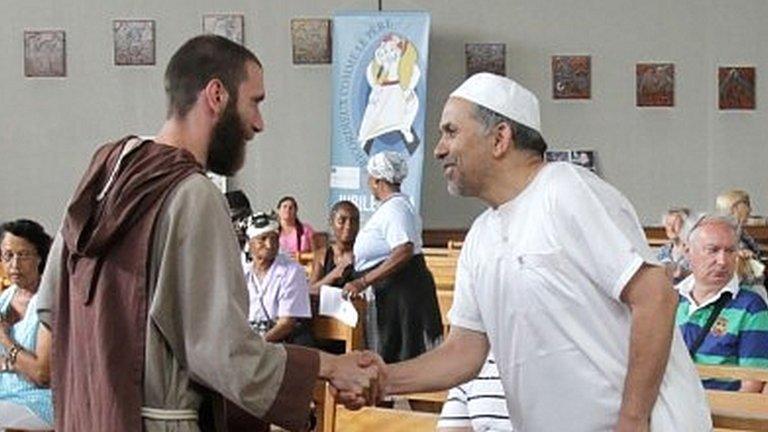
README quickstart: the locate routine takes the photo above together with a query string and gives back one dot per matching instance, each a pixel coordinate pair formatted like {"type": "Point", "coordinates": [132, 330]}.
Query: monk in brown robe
{"type": "Point", "coordinates": [144, 291]}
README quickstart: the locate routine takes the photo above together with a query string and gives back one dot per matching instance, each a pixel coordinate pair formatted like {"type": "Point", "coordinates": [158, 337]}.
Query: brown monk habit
{"type": "Point", "coordinates": [101, 302]}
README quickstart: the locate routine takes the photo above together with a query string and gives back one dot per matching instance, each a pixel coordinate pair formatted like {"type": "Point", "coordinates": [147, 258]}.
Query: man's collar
{"type": "Point", "coordinates": [685, 288]}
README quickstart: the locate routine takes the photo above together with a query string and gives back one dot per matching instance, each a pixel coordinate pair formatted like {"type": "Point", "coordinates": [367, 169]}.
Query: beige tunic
{"type": "Point", "coordinates": [197, 331]}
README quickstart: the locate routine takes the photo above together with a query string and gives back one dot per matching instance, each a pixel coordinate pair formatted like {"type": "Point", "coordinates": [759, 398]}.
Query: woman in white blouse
{"type": "Point", "coordinates": [388, 257]}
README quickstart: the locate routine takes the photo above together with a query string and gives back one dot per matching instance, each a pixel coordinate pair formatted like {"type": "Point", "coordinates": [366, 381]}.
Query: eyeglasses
{"type": "Point", "coordinates": [22, 256]}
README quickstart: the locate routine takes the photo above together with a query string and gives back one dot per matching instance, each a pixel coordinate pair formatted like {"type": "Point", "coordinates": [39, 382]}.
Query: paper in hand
{"type": "Point", "coordinates": [332, 304]}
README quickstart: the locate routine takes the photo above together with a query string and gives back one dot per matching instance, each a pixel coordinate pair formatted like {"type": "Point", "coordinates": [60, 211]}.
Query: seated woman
{"type": "Point", "coordinates": [334, 266]}
{"type": "Point", "coordinates": [672, 254]}
{"type": "Point", "coordinates": [295, 235]}
{"type": "Point", "coordinates": [25, 345]}
{"type": "Point", "coordinates": [277, 286]}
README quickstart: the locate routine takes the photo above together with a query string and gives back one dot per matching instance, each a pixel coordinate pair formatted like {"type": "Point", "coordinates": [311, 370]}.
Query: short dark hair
{"type": "Point", "coordinates": [349, 205]}
{"type": "Point", "coordinates": [197, 62]}
{"type": "Point", "coordinates": [32, 232]}
{"type": "Point", "coordinates": [525, 138]}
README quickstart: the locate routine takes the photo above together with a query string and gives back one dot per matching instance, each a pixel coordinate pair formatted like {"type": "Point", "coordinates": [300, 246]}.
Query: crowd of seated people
{"type": "Point", "coordinates": [25, 345]}
{"type": "Point", "coordinates": [722, 313]}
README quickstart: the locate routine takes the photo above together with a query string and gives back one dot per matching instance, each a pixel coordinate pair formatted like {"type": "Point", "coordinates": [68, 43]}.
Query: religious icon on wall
{"type": "Point", "coordinates": [229, 26]}
{"type": "Point", "coordinates": [44, 53]}
{"type": "Point", "coordinates": [557, 156]}
{"type": "Point", "coordinates": [736, 88]}
{"type": "Point", "coordinates": [311, 39]}
{"type": "Point", "coordinates": [393, 104]}
{"type": "Point", "coordinates": [571, 77]}
{"type": "Point", "coordinates": [486, 57]}
{"type": "Point", "coordinates": [655, 84]}
{"type": "Point", "coordinates": [134, 42]}
{"type": "Point", "coordinates": [585, 158]}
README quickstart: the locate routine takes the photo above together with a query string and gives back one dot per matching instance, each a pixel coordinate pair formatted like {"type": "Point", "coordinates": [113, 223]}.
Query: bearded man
{"type": "Point", "coordinates": [145, 294]}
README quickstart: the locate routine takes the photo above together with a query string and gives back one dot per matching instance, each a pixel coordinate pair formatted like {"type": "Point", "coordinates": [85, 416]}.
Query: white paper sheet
{"type": "Point", "coordinates": [332, 304]}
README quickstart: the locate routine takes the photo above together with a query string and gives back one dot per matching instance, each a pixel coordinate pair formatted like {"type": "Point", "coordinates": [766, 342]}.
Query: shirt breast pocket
{"type": "Point", "coordinates": [536, 280]}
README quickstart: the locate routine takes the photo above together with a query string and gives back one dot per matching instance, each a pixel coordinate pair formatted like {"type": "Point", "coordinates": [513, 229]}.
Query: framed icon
{"type": "Point", "coordinates": [45, 54]}
{"type": "Point", "coordinates": [134, 42]}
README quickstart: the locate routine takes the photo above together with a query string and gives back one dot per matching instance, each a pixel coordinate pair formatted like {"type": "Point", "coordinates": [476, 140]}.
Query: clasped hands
{"type": "Point", "coordinates": [356, 378]}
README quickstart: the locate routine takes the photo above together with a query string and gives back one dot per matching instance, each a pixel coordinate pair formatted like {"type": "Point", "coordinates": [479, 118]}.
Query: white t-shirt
{"type": "Point", "coordinates": [394, 223]}
{"type": "Point", "coordinates": [542, 276]}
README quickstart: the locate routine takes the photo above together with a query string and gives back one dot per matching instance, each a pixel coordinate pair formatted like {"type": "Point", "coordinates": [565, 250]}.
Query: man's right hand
{"type": "Point", "coordinates": [353, 376]}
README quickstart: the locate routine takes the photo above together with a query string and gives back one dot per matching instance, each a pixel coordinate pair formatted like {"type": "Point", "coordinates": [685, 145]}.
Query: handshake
{"type": "Point", "coordinates": [357, 378]}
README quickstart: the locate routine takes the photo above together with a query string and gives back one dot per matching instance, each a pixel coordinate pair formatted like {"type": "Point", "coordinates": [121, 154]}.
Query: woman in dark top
{"type": "Point", "coordinates": [334, 266]}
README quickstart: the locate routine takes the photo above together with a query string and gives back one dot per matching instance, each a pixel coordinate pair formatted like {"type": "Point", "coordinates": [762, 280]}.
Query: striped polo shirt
{"type": "Point", "coordinates": [478, 404]}
{"type": "Point", "coordinates": [739, 335]}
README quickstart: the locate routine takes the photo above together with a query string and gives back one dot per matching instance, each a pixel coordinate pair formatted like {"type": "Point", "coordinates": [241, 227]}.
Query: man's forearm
{"type": "Point", "coordinates": [455, 361]}
{"type": "Point", "coordinates": [649, 346]}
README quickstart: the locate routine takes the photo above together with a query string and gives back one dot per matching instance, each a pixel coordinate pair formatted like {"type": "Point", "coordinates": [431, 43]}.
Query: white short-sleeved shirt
{"type": "Point", "coordinates": [478, 404]}
{"type": "Point", "coordinates": [394, 223]}
{"type": "Point", "coordinates": [284, 291]}
{"type": "Point", "coordinates": [542, 276]}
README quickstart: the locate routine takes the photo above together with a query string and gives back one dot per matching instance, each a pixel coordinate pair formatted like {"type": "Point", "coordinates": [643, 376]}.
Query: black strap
{"type": "Point", "coordinates": [718, 306]}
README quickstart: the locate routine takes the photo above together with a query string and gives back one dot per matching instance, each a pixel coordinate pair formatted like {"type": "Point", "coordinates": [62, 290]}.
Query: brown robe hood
{"type": "Point", "coordinates": [100, 311]}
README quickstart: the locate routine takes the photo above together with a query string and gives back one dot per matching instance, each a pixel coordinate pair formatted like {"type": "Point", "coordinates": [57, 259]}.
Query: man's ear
{"type": "Point", "coordinates": [503, 139]}
{"type": "Point", "coordinates": [215, 96]}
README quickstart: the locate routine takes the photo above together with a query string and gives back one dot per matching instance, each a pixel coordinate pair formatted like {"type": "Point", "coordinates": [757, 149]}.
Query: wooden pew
{"type": "Point", "coordinates": [442, 265]}
{"type": "Point", "coordinates": [327, 328]}
{"type": "Point", "coordinates": [737, 410]}
{"type": "Point", "coordinates": [444, 301]}
{"type": "Point", "coordinates": [427, 402]}
{"type": "Point", "coordinates": [370, 419]}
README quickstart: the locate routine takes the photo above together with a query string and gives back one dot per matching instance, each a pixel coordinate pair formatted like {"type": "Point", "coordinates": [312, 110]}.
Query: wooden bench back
{"type": "Point", "coordinates": [737, 410]}
{"type": "Point", "coordinates": [327, 328]}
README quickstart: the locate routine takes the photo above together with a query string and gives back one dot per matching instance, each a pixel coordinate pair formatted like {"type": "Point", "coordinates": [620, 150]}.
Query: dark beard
{"type": "Point", "coordinates": [226, 154]}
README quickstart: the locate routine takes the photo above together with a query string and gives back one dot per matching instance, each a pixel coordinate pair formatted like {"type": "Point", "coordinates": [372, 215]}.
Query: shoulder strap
{"type": "Point", "coordinates": [718, 307]}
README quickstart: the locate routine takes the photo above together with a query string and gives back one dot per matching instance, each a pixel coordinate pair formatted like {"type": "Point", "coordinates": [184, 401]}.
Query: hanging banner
{"type": "Point", "coordinates": [379, 99]}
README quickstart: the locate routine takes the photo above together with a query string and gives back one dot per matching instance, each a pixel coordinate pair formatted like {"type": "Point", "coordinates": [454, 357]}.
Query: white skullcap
{"type": "Point", "coordinates": [388, 165]}
{"type": "Point", "coordinates": [261, 223]}
{"type": "Point", "coordinates": [502, 95]}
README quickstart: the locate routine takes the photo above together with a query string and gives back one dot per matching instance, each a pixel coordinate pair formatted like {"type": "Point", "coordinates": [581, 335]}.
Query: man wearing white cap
{"type": "Point", "coordinates": [557, 278]}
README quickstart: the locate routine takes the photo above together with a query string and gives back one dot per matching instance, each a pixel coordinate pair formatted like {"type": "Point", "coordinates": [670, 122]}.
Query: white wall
{"type": "Point", "coordinates": [658, 157]}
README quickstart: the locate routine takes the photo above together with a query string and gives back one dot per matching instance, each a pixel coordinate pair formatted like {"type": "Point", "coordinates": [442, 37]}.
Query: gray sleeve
{"type": "Point", "coordinates": [200, 305]}
{"type": "Point", "coordinates": [49, 283]}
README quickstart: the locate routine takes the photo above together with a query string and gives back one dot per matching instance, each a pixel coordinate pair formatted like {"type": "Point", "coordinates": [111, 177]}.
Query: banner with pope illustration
{"type": "Point", "coordinates": [379, 99]}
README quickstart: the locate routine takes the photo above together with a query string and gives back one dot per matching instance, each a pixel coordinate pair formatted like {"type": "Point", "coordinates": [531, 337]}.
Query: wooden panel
{"type": "Point", "coordinates": [737, 410]}
{"type": "Point", "coordinates": [444, 301]}
{"type": "Point", "coordinates": [332, 329]}
{"type": "Point", "coordinates": [370, 419]}
{"type": "Point", "coordinates": [440, 237]}
{"type": "Point", "coordinates": [732, 372]}
{"type": "Point", "coordinates": [656, 236]}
